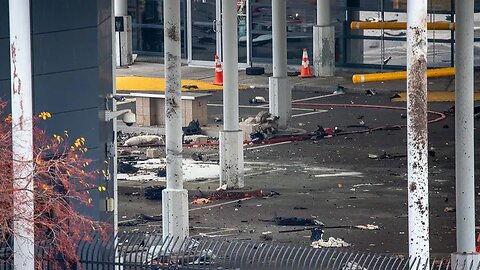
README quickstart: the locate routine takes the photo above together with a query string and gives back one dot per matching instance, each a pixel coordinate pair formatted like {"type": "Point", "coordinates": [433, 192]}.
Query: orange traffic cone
{"type": "Point", "coordinates": [477, 248]}
{"type": "Point", "coordinates": [305, 71]}
{"type": "Point", "coordinates": [218, 72]}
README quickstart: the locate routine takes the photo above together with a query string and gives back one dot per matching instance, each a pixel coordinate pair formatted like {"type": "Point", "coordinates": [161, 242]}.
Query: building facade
{"type": "Point", "coordinates": [72, 76]}
{"type": "Point", "coordinates": [201, 31]}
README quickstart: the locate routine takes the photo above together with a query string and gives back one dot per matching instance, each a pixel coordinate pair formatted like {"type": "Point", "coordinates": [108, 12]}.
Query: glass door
{"type": "Point", "coordinates": [205, 32]}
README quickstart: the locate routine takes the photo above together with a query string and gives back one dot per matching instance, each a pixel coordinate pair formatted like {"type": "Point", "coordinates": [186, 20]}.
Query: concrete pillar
{"type": "Point", "coordinates": [121, 7]}
{"type": "Point", "coordinates": [231, 138]}
{"type": "Point", "coordinates": [22, 134]}
{"type": "Point", "coordinates": [417, 135]}
{"type": "Point", "coordinates": [464, 126]}
{"type": "Point", "coordinates": [123, 40]}
{"type": "Point", "coordinates": [174, 197]}
{"type": "Point", "coordinates": [465, 261]}
{"type": "Point", "coordinates": [354, 46]}
{"type": "Point", "coordinates": [323, 41]}
{"type": "Point", "coordinates": [280, 91]}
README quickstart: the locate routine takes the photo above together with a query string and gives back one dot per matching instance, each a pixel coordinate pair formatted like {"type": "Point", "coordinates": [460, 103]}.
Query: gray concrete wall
{"type": "Point", "coordinates": [72, 70]}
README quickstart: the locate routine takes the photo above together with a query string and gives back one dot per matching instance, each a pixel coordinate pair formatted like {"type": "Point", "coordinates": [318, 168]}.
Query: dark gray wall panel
{"type": "Point", "coordinates": [83, 123]}
{"type": "Point", "coordinates": [105, 77]}
{"type": "Point", "coordinates": [104, 40]}
{"type": "Point", "coordinates": [4, 19]}
{"type": "Point", "coordinates": [4, 89]}
{"type": "Point", "coordinates": [65, 51]}
{"type": "Point", "coordinates": [76, 90]}
{"type": "Point", "coordinates": [104, 8]}
{"type": "Point", "coordinates": [4, 58]}
{"type": "Point", "coordinates": [60, 15]}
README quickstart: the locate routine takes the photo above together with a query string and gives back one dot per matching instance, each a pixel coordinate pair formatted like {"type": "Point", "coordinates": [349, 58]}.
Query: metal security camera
{"type": "Point", "coordinates": [129, 118]}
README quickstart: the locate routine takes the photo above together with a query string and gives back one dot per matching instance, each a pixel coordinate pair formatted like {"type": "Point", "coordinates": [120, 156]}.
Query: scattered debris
{"type": "Point", "coordinates": [449, 210]}
{"type": "Point", "coordinates": [385, 155]}
{"type": "Point", "coordinates": [262, 127]}
{"type": "Point", "coordinates": [370, 92]}
{"type": "Point", "coordinates": [152, 153]}
{"type": "Point", "coordinates": [431, 152]}
{"type": "Point", "coordinates": [266, 236]}
{"type": "Point", "coordinates": [317, 234]}
{"type": "Point", "coordinates": [218, 120]}
{"type": "Point", "coordinates": [368, 227]}
{"type": "Point", "coordinates": [193, 128]}
{"type": "Point", "coordinates": [296, 221]}
{"type": "Point", "coordinates": [321, 133]}
{"type": "Point", "coordinates": [396, 95]}
{"type": "Point", "coordinates": [162, 172]}
{"type": "Point", "coordinates": [330, 243]}
{"type": "Point", "coordinates": [340, 90]}
{"type": "Point", "coordinates": [367, 185]}
{"type": "Point", "coordinates": [197, 156]}
{"type": "Point", "coordinates": [126, 168]}
{"type": "Point", "coordinates": [195, 139]}
{"type": "Point", "coordinates": [299, 208]}
{"type": "Point", "coordinates": [154, 193]}
{"type": "Point", "coordinates": [201, 201]}
{"type": "Point", "coordinates": [190, 86]}
{"type": "Point", "coordinates": [144, 140]}
{"type": "Point", "coordinates": [258, 100]}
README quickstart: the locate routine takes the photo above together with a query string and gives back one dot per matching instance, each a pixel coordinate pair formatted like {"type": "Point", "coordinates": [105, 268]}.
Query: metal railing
{"type": "Point", "coordinates": [129, 251]}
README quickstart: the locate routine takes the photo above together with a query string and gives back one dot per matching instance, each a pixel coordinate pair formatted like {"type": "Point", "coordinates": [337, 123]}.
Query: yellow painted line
{"type": "Point", "coordinates": [158, 84]}
{"type": "Point", "coordinates": [435, 96]}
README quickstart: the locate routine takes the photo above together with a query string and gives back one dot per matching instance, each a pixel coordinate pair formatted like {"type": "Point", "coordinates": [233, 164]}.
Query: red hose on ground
{"type": "Point", "coordinates": [440, 117]}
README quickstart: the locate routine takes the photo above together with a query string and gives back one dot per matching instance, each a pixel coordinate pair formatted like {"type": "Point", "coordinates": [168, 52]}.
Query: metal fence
{"type": "Point", "coordinates": [129, 251]}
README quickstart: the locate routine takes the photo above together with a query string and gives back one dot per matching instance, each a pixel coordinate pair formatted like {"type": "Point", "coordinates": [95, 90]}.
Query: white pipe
{"type": "Point", "coordinates": [22, 134]}
{"type": "Point", "coordinates": [279, 34]}
{"type": "Point", "coordinates": [464, 135]}
{"type": "Point", "coordinates": [323, 12]}
{"type": "Point", "coordinates": [121, 7]}
{"type": "Point", "coordinates": [417, 134]}
{"type": "Point", "coordinates": [230, 65]}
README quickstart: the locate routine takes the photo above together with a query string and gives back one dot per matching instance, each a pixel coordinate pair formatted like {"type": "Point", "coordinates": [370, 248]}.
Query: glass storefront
{"type": "Point", "coordinates": [375, 48]}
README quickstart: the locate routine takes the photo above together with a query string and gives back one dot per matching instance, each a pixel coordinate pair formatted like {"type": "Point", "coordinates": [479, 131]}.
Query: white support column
{"type": "Point", "coordinates": [231, 138]}
{"type": "Point", "coordinates": [121, 7]}
{"type": "Point", "coordinates": [417, 134]}
{"type": "Point", "coordinates": [174, 197]}
{"type": "Point", "coordinates": [323, 41]}
{"type": "Point", "coordinates": [464, 126]}
{"type": "Point", "coordinates": [123, 40]}
{"type": "Point", "coordinates": [280, 91]}
{"type": "Point", "coordinates": [22, 134]}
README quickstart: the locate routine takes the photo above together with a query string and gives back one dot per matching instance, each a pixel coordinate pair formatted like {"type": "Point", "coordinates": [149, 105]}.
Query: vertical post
{"type": "Point", "coordinates": [280, 91]}
{"type": "Point", "coordinates": [417, 134]}
{"type": "Point", "coordinates": [231, 138]}
{"type": "Point", "coordinates": [464, 143]}
{"type": "Point", "coordinates": [22, 134]}
{"type": "Point", "coordinates": [121, 7]}
{"type": "Point", "coordinates": [174, 197]}
{"type": "Point", "coordinates": [323, 41]}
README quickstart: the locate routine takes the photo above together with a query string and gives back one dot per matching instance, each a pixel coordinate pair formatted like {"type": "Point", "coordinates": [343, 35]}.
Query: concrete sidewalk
{"type": "Point", "coordinates": [321, 84]}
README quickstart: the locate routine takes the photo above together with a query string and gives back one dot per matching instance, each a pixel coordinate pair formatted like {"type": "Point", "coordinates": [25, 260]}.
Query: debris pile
{"type": "Point", "coordinates": [144, 140]}
{"type": "Point", "coordinates": [332, 242]}
{"type": "Point", "coordinates": [261, 127]}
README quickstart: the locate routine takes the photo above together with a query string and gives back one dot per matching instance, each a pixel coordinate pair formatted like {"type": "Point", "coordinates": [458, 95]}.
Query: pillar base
{"type": "Point", "coordinates": [280, 98]}
{"type": "Point", "coordinates": [465, 261]}
{"type": "Point", "coordinates": [231, 159]}
{"type": "Point", "coordinates": [175, 213]}
{"type": "Point", "coordinates": [324, 50]}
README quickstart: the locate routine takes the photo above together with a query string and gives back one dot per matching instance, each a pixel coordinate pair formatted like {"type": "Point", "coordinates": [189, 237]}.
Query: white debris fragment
{"type": "Point", "coordinates": [368, 227]}
{"type": "Point", "coordinates": [332, 242]}
{"type": "Point", "coordinates": [367, 185]}
{"type": "Point", "coordinates": [144, 140]}
{"type": "Point", "coordinates": [353, 266]}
